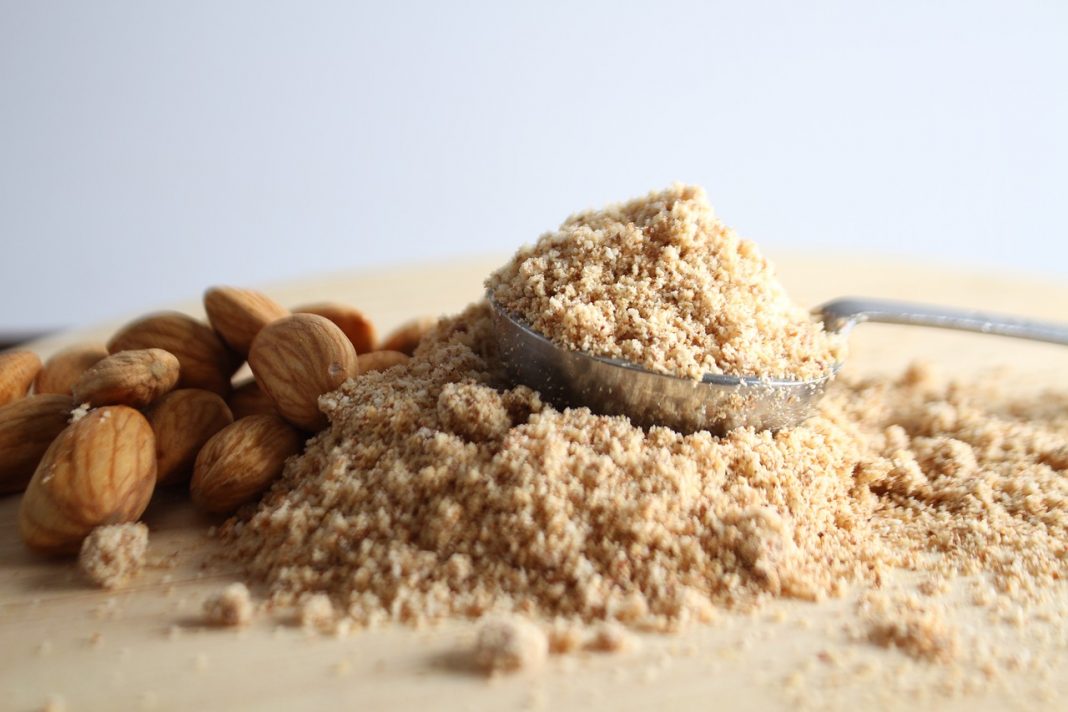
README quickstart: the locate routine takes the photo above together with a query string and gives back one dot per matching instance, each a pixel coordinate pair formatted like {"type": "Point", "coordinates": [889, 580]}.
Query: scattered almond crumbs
{"type": "Point", "coordinates": [112, 555]}
{"type": "Point", "coordinates": [919, 628]}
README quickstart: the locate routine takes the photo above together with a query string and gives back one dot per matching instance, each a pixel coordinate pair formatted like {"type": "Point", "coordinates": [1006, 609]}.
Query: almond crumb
{"type": "Point", "coordinates": [510, 644]}
{"type": "Point", "coordinates": [113, 555]}
{"type": "Point", "coordinates": [230, 607]}
{"type": "Point", "coordinates": [317, 613]}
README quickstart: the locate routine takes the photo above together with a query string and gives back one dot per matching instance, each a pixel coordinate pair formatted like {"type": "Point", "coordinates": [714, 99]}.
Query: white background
{"type": "Point", "coordinates": [150, 149]}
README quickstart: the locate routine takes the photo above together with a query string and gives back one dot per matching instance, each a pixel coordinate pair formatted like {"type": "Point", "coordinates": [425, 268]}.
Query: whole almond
{"type": "Point", "coordinates": [183, 421]}
{"type": "Point", "coordinates": [352, 321]}
{"type": "Point", "coordinates": [17, 371]}
{"type": "Point", "coordinates": [381, 360]}
{"type": "Point", "coordinates": [205, 360]}
{"type": "Point", "coordinates": [27, 427]}
{"type": "Point", "coordinates": [299, 358]}
{"type": "Point", "coordinates": [240, 461]}
{"type": "Point", "coordinates": [65, 367]}
{"type": "Point", "coordinates": [133, 378]}
{"type": "Point", "coordinates": [249, 399]}
{"type": "Point", "coordinates": [239, 314]}
{"type": "Point", "coordinates": [100, 470]}
{"type": "Point", "coordinates": [407, 336]}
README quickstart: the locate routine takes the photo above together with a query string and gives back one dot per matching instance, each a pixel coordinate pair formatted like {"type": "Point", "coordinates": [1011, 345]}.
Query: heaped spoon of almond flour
{"type": "Point", "coordinates": [719, 402]}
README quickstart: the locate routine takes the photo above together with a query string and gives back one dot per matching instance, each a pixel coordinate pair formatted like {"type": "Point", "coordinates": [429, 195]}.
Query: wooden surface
{"type": "Point", "coordinates": [144, 648]}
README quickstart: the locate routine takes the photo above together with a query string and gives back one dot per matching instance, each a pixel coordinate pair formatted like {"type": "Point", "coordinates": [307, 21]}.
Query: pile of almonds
{"type": "Point", "coordinates": [90, 434]}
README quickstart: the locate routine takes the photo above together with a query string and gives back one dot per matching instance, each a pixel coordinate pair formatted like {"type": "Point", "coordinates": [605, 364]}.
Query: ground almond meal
{"type": "Point", "coordinates": [113, 555]}
{"type": "Point", "coordinates": [440, 491]}
{"type": "Point", "coordinates": [919, 628]}
{"type": "Point", "coordinates": [232, 606]}
{"type": "Point", "coordinates": [663, 283]}
{"type": "Point", "coordinates": [510, 644]}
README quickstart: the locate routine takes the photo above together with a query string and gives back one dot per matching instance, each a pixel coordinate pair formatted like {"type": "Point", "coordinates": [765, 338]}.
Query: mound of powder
{"type": "Point", "coordinates": [662, 283]}
{"type": "Point", "coordinates": [437, 491]}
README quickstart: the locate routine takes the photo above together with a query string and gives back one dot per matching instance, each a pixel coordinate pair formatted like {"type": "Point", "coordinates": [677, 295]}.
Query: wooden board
{"type": "Point", "coordinates": [143, 647]}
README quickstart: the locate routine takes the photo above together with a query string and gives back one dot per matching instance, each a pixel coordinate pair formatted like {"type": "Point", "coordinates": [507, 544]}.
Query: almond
{"type": "Point", "coordinates": [17, 371]}
{"type": "Point", "coordinates": [407, 336]}
{"type": "Point", "coordinates": [27, 428]}
{"type": "Point", "coordinates": [352, 321]}
{"type": "Point", "coordinates": [380, 360]}
{"type": "Point", "coordinates": [240, 461]}
{"type": "Point", "coordinates": [183, 421]}
{"type": "Point", "coordinates": [133, 378]}
{"type": "Point", "coordinates": [249, 399]}
{"type": "Point", "coordinates": [65, 367]}
{"type": "Point", "coordinates": [100, 470]}
{"type": "Point", "coordinates": [239, 314]}
{"type": "Point", "coordinates": [205, 360]}
{"type": "Point", "coordinates": [296, 360]}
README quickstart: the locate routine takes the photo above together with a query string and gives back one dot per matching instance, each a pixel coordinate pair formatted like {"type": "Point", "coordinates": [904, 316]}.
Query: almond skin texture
{"type": "Point", "coordinates": [183, 421]}
{"type": "Point", "coordinates": [239, 314]}
{"type": "Point", "coordinates": [133, 378]}
{"type": "Point", "coordinates": [17, 371]}
{"type": "Point", "coordinates": [407, 336]}
{"type": "Point", "coordinates": [249, 399]}
{"type": "Point", "coordinates": [100, 470]}
{"type": "Point", "coordinates": [62, 370]}
{"type": "Point", "coordinates": [296, 360]}
{"type": "Point", "coordinates": [27, 428]}
{"type": "Point", "coordinates": [241, 461]}
{"type": "Point", "coordinates": [205, 360]}
{"type": "Point", "coordinates": [381, 360]}
{"type": "Point", "coordinates": [352, 321]}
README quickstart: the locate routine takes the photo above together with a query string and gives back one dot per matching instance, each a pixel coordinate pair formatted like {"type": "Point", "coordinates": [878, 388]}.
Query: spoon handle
{"type": "Point", "coordinates": [842, 315]}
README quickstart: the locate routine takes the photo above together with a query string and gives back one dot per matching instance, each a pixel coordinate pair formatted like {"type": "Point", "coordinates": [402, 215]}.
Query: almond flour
{"type": "Point", "coordinates": [510, 644]}
{"type": "Point", "coordinates": [113, 555]}
{"type": "Point", "coordinates": [438, 491]}
{"type": "Point", "coordinates": [232, 606]}
{"type": "Point", "coordinates": [663, 283]}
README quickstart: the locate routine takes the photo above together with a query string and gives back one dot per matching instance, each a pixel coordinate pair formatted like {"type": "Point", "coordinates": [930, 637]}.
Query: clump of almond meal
{"type": "Point", "coordinates": [112, 555]}
{"type": "Point", "coordinates": [231, 606]}
{"type": "Point", "coordinates": [439, 490]}
{"type": "Point", "coordinates": [661, 282]}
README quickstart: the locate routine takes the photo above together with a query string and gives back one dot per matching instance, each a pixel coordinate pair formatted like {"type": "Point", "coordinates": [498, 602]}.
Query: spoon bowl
{"type": "Point", "coordinates": [717, 403]}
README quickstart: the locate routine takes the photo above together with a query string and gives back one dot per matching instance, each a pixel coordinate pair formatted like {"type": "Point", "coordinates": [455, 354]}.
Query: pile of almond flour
{"type": "Point", "coordinates": [661, 282]}
{"type": "Point", "coordinates": [438, 491]}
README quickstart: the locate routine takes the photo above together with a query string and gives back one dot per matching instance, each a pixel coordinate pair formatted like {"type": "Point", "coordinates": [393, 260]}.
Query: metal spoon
{"type": "Point", "coordinates": [718, 403]}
